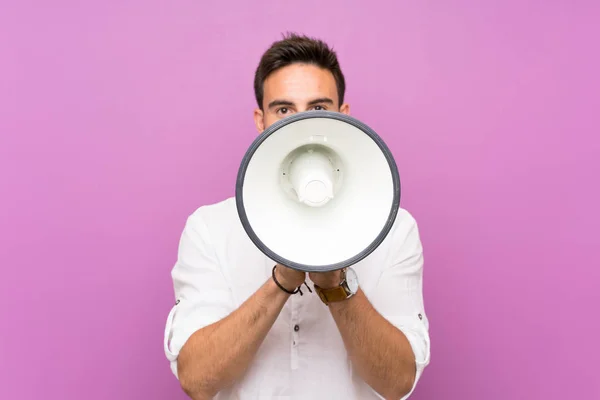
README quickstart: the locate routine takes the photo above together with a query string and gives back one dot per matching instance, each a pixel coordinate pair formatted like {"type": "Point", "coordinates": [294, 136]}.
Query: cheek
{"type": "Point", "coordinates": [269, 119]}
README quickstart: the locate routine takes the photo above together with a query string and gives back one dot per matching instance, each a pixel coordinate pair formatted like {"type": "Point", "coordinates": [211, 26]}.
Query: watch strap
{"type": "Point", "coordinates": [331, 295]}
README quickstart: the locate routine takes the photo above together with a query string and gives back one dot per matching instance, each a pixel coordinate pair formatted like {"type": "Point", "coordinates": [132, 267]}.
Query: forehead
{"type": "Point", "coordinates": [300, 83]}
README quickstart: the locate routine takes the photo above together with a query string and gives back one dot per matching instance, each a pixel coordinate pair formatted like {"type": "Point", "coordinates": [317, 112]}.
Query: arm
{"type": "Point", "coordinates": [217, 355]}
{"type": "Point", "coordinates": [208, 340]}
{"type": "Point", "coordinates": [386, 333]}
{"type": "Point", "coordinates": [379, 351]}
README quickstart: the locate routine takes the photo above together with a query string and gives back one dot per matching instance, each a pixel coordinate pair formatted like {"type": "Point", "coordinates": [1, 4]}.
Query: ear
{"type": "Point", "coordinates": [345, 109]}
{"type": "Point", "coordinates": [258, 120]}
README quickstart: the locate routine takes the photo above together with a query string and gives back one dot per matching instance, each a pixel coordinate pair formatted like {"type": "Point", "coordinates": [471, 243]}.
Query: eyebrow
{"type": "Point", "coordinates": [276, 103]}
{"type": "Point", "coordinates": [288, 103]}
{"type": "Point", "coordinates": [320, 100]}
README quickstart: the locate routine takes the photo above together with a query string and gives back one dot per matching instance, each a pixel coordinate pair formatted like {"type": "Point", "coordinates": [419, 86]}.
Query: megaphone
{"type": "Point", "coordinates": [317, 191]}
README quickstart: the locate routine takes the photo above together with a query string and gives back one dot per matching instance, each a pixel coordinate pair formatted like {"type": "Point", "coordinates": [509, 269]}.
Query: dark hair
{"type": "Point", "coordinates": [294, 48]}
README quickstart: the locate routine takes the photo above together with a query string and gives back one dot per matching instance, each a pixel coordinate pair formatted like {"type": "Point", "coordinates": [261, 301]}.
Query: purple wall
{"type": "Point", "coordinates": [118, 119]}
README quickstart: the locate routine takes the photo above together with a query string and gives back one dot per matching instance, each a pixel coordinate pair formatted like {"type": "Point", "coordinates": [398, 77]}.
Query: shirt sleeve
{"type": "Point", "coordinates": [202, 294]}
{"type": "Point", "coordinates": [398, 296]}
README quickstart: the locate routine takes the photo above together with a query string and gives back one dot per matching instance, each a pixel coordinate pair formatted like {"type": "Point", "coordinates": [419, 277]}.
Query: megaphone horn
{"type": "Point", "coordinates": [318, 191]}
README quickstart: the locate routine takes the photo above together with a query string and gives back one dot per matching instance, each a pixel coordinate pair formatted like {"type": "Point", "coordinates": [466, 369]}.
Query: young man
{"type": "Point", "coordinates": [235, 334]}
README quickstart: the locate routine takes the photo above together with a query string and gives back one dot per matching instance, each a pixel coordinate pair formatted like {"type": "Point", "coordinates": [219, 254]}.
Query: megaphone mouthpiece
{"type": "Point", "coordinates": [312, 177]}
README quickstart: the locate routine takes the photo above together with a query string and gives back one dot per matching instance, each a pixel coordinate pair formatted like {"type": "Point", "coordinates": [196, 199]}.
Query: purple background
{"type": "Point", "coordinates": [119, 118]}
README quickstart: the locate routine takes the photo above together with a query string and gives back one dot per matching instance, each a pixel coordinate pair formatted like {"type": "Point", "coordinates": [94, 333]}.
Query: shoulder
{"type": "Point", "coordinates": [216, 217]}
{"type": "Point", "coordinates": [404, 235]}
{"type": "Point", "coordinates": [404, 224]}
{"type": "Point", "coordinates": [215, 212]}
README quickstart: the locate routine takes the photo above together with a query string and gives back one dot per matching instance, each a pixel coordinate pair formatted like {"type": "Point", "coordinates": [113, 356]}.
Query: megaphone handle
{"type": "Point", "coordinates": [288, 291]}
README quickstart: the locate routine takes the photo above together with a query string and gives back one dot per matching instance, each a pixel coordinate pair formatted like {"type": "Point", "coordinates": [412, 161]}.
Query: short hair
{"type": "Point", "coordinates": [295, 48]}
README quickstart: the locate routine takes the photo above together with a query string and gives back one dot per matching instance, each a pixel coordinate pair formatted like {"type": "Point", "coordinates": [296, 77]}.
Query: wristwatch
{"type": "Point", "coordinates": [346, 289]}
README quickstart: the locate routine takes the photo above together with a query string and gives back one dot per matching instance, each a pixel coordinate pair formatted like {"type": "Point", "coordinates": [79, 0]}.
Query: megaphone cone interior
{"type": "Point", "coordinates": [318, 191]}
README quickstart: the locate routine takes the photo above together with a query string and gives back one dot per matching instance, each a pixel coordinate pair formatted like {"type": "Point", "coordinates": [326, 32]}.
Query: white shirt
{"type": "Point", "coordinates": [302, 356]}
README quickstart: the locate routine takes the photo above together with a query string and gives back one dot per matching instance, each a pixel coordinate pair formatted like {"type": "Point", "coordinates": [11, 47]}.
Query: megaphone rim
{"type": "Point", "coordinates": [295, 118]}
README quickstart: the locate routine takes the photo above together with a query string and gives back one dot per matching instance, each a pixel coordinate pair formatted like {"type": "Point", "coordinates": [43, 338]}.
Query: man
{"type": "Point", "coordinates": [237, 333]}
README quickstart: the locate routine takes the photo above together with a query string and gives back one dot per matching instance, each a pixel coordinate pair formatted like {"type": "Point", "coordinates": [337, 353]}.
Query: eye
{"type": "Point", "coordinates": [319, 108]}
{"type": "Point", "coordinates": [282, 110]}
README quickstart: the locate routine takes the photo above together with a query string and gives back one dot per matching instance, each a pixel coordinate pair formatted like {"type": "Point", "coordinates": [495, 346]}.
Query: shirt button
{"type": "Point", "coordinates": [296, 328]}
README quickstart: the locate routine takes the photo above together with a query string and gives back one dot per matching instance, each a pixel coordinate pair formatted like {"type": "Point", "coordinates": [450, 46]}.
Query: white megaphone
{"type": "Point", "coordinates": [318, 191]}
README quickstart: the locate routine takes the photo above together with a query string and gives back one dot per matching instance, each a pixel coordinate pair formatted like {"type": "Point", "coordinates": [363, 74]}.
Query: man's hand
{"type": "Point", "coordinates": [326, 280]}
{"type": "Point", "coordinates": [289, 278]}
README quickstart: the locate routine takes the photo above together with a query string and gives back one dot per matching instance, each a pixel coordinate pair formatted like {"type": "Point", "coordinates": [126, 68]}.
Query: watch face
{"type": "Point", "coordinates": [352, 280]}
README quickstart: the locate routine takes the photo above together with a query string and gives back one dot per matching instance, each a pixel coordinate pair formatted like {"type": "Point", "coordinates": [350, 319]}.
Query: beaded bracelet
{"type": "Point", "coordinates": [284, 289]}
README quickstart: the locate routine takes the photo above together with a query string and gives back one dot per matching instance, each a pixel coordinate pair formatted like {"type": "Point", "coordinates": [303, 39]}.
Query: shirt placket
{"type": "Point", "coordinates": [295, 328]}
